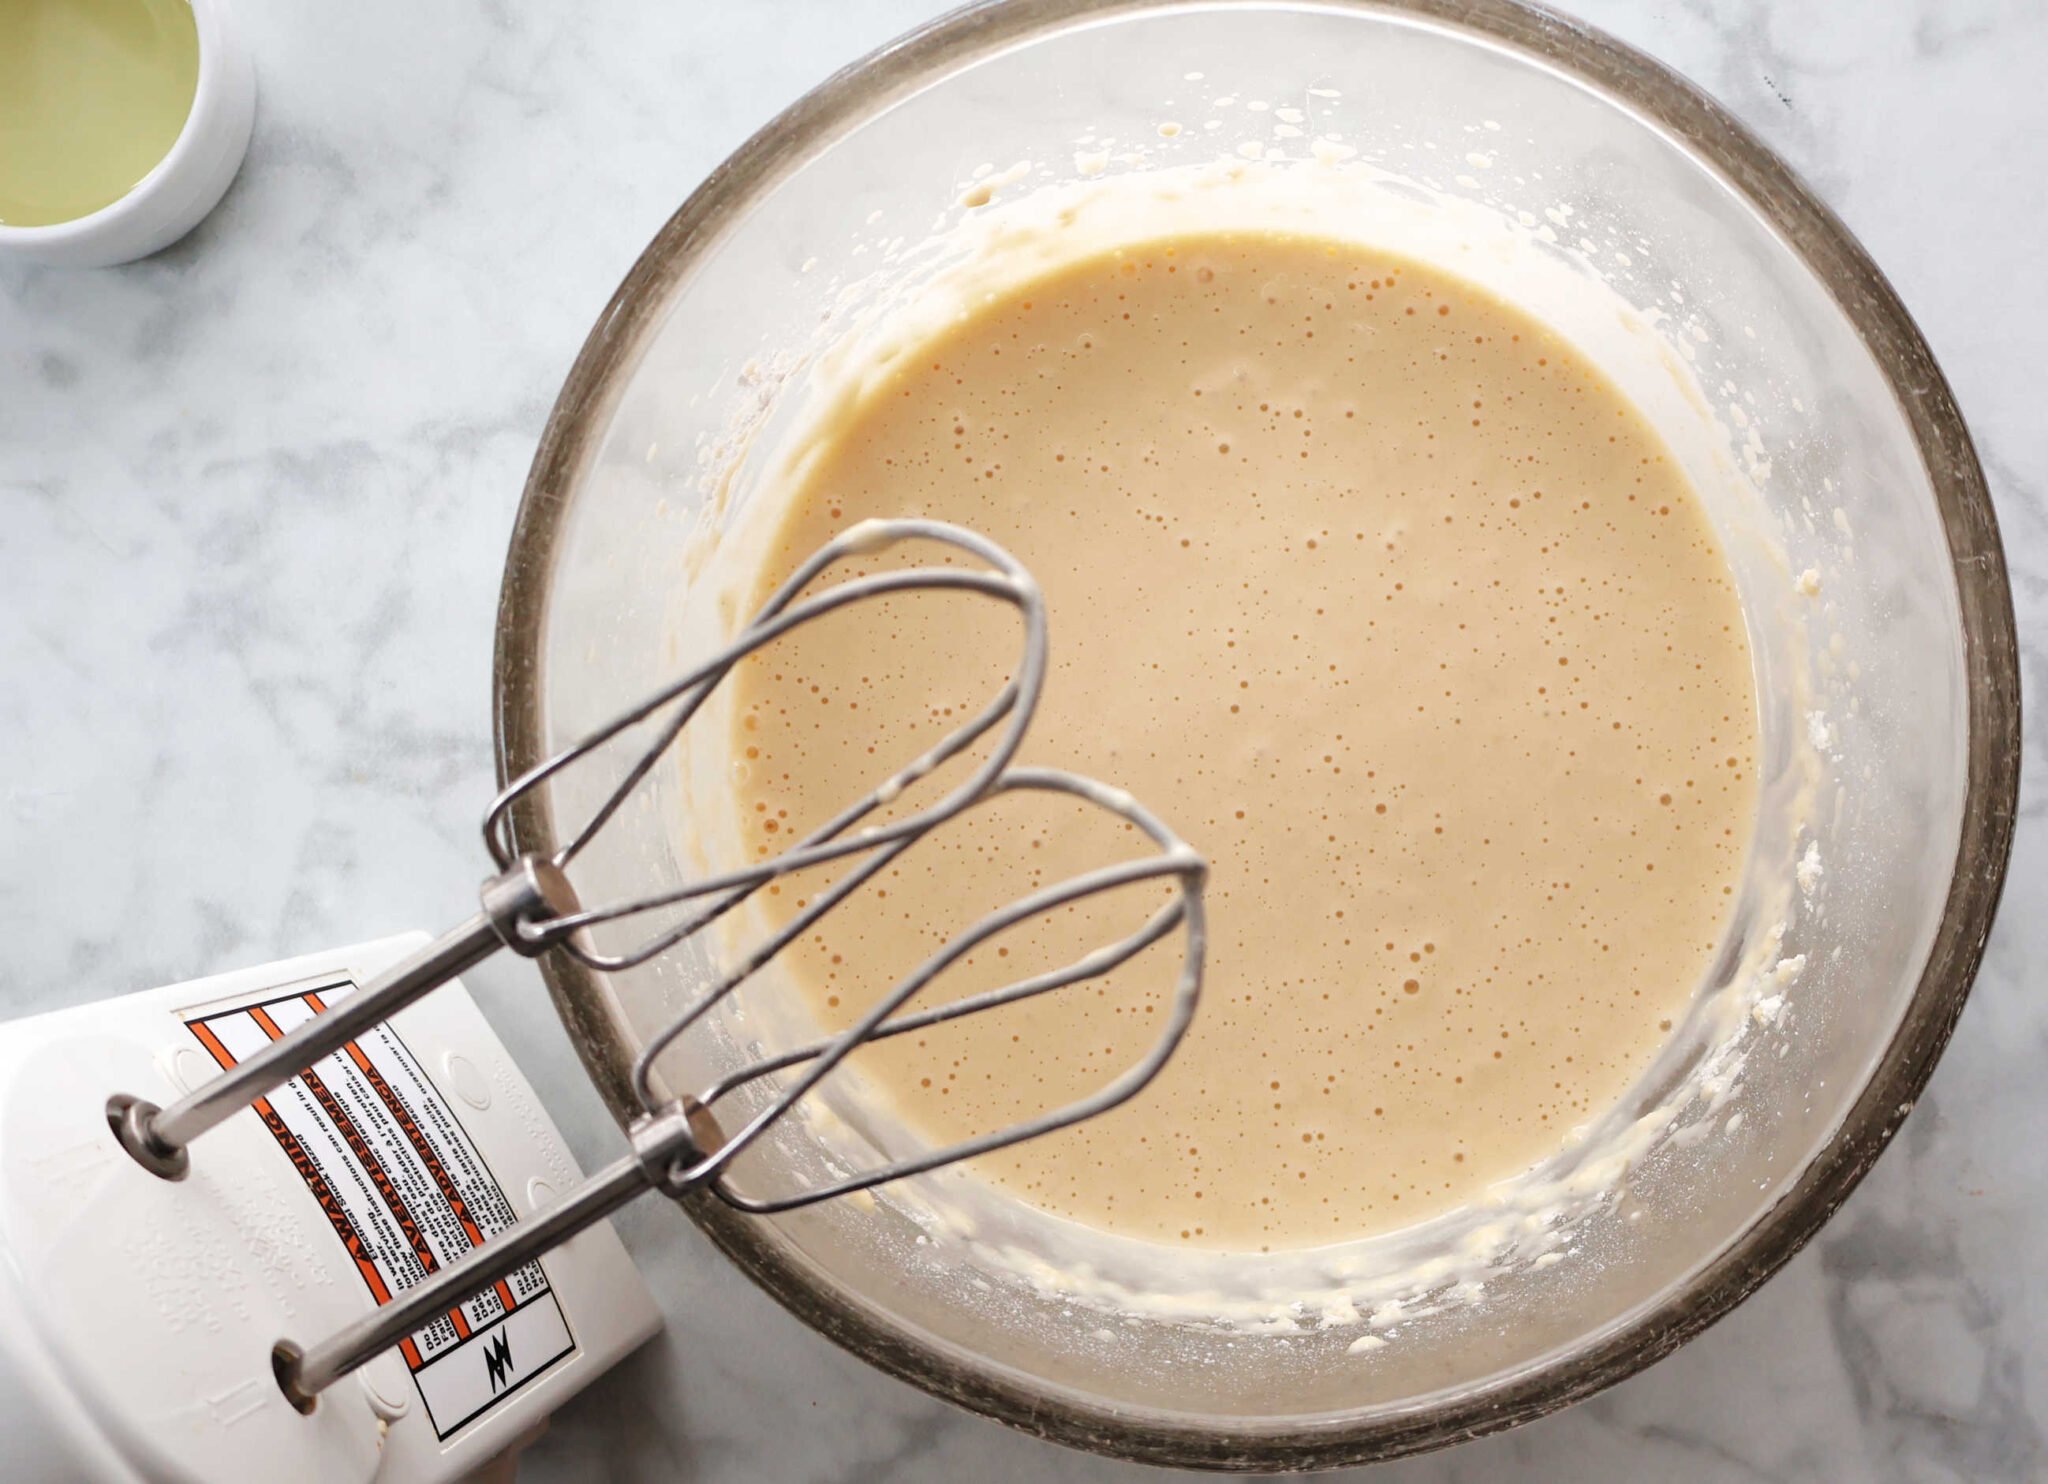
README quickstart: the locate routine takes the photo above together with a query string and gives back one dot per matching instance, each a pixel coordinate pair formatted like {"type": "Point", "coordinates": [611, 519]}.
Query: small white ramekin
{"type": "Point", "coordinates": [184, 185]}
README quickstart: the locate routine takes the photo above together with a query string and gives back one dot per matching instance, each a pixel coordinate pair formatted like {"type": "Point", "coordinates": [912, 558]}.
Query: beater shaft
{"type": "Point", "coordinates": [158, 1137]}
{"type": "Point", "coordinates": [659, 1143]}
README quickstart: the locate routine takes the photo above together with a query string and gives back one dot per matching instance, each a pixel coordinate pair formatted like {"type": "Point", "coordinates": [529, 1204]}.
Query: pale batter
{"type": "Point", "coordinates": [1394, 607]}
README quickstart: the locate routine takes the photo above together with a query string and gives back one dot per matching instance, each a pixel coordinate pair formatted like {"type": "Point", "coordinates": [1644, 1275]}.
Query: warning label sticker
{"type": "Point", "coordinates": [405, 1189]}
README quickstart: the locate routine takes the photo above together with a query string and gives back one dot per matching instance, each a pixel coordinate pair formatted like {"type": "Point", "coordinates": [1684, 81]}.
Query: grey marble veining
{"type": "Point", "coordinates": [256, 491]}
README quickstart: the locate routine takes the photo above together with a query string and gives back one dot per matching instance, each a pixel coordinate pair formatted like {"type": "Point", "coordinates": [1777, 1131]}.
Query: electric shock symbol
{"type": "Point", "coordinates": [498, 1360]}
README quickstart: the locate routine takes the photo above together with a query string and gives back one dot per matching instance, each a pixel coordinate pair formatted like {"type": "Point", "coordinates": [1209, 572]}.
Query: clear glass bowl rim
{"type": "Point", "coordinates": [1977, 559]}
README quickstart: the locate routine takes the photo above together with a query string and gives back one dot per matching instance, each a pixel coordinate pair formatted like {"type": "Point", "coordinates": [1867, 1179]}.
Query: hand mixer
{"type": "Point", "coordinates": [678, 1144]}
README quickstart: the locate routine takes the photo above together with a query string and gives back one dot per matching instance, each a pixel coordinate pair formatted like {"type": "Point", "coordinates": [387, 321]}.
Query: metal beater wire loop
{"type": "Point", "coordinates": [1017, 702]}
{"type": "Point", "coordinates": [1175, 860]}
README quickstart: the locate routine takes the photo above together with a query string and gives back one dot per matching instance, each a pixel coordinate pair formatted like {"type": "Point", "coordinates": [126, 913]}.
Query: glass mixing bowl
{"type": "Point", "coordinates": [1894, 688]}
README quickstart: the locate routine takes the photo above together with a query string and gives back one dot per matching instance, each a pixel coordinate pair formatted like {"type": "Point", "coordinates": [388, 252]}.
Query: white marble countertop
{"type": "Point", "coordinates": [256, 492]}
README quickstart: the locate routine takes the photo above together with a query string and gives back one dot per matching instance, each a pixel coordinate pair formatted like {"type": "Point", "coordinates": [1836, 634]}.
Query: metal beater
{"type": "Point", "coordinates": [531, 907]}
